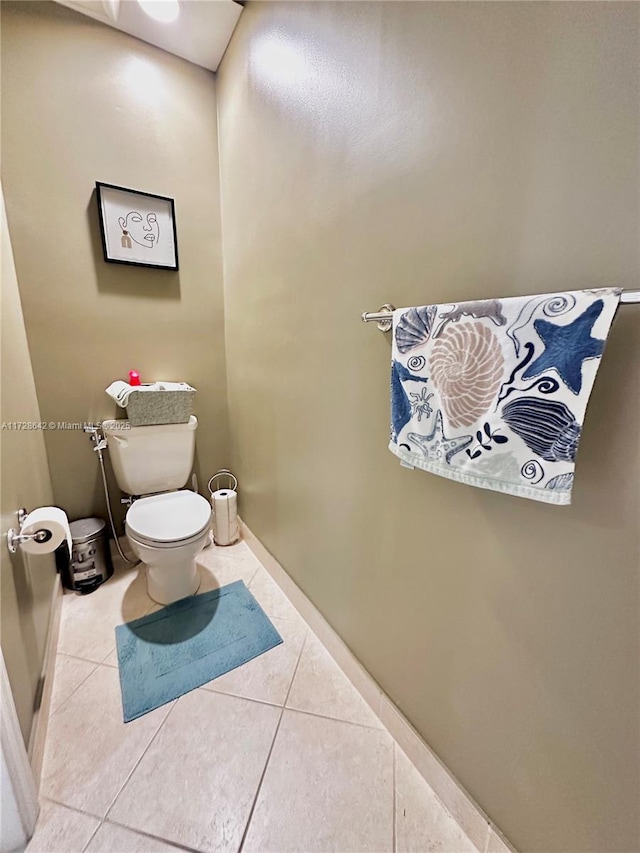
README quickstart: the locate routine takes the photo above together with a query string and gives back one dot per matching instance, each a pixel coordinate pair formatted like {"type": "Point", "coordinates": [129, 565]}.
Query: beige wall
{"type": "Point", "coordinates": [26, 582]}
{"type": "Point", "coordinates": [82, 102]}
{"type": "Point", "coordinates": [422, 152]}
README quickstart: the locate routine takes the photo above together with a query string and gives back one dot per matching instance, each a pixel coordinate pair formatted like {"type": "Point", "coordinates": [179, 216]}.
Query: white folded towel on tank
{"type": "Point", "coordinates": [121, 391]}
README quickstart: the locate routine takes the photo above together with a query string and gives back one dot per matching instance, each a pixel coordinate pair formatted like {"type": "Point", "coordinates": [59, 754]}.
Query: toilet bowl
{"type": "Point", "coordinates": [167, 532]}
{"type": "Point", "coordinates": [166, 525]}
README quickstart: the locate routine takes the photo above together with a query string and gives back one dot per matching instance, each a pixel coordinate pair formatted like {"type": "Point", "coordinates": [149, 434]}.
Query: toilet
{"type": "Point", "coordinates": [166, 524]}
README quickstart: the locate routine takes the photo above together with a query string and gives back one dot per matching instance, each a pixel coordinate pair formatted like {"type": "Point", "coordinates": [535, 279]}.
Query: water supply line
{"type": "Point", "coordinates": [99, 445]}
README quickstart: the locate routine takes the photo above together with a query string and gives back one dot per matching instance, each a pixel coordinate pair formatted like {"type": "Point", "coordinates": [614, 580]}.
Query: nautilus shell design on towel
{"type": "Point", "coordinates": [467, 367]}
{"type": "Point", "coordinates": [414, 327]}
{"type": "Point", "coordinates": [547, 427]}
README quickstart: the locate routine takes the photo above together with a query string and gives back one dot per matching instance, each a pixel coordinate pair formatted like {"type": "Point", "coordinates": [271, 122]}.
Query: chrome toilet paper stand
{"type": "Point", "coordinates": [224, 472]}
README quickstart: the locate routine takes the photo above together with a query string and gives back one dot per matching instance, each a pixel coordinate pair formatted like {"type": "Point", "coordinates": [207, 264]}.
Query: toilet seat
{"type": "Point", "coordinates": [168, 520]}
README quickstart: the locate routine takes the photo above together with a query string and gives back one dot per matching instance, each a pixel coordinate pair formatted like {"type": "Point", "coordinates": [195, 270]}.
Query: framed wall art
{"type": "Point", "coordinates": [137, 228]}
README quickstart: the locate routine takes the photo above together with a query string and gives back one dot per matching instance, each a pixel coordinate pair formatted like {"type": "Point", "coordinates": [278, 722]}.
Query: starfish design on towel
{"type": "Point", "coordinates": [436, 446]}
{"type": "Point", "coordinates": [566, 347]}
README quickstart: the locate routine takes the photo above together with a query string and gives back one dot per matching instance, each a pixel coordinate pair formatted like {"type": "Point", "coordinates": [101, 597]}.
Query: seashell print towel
{"type": "Point", "coordinates": [494, 393]}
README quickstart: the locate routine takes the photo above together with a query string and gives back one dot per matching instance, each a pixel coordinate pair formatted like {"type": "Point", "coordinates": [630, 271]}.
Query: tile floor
{"type": "Point", "coordinates": [282, 754]}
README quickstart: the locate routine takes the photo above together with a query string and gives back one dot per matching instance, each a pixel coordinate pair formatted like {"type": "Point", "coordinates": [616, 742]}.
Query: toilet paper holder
{"type": "Point", "coordinates": [223, 472]}
{"type": "Point", "coordinates": [16, 537]}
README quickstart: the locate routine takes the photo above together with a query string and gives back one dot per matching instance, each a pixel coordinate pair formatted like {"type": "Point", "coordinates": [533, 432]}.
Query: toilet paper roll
{"type": "Point", "coordinates": [54, 521]}
{"type": "Point", "coordinates": [225, 516]}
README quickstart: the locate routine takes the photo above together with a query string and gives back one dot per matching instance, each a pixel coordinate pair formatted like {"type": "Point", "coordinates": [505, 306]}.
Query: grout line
{"type": "Point", "coordinates": [107, 655]}
{"type": "Point", "coordinates": [253, 576]}
{"type": "Point", "coordinates": [273, 743]}
{"type": "Point", "coordinates": [211, 570]}
{"type": "Point", "coordinates": [286, 618]}
{"type": "Point", "coordinates": [282, 618]}
{"type": "Point", "coordinates": [135, 766]}
{"type": "Point", "coordinates": [339, 720]}
{"type": "Point", "coordinates": [79, 657]}
{"type": "Point", "coordinates": [77, 811]}
{"type": "Point", "coordinates": [102, 821]}
{"type": "Point", "coordinates": [92, 836]}
{"type": "Point", "coordinates": [219, 692]}
{"type": "Point", "coordinates": [260, 566]}
{"type": "Point", "coordinates": [259, 788]}
{"type": "Point", "coordinates": [76, 688]}
{"type": "Point", "coordinates": [176, 844]}
{"type": "Point", "coordinates": [395, 800]}
{"type": "Point", "coordinates": [381, 729]}
{"type": "Point", "coordinates": [309, 632]}
{"type": "Point", "coordinates": [49, 799]}
{"type": "Point", "coordinates": [286, 698]}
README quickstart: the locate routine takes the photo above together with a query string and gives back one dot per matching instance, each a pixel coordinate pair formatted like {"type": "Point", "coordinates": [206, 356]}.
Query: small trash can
{"type": "Point", "coordinates": [90, 564]}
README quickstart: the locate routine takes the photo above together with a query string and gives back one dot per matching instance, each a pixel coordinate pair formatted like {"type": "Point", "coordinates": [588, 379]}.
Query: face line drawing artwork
{"type": "Point", "coordinates": [143, 231]}
{"type": "Point", "coordinates": [137, 228]}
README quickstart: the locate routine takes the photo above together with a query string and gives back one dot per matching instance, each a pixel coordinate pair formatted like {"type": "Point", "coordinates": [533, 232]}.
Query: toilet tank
{"type": "Point", "coordinates": [151, 459]}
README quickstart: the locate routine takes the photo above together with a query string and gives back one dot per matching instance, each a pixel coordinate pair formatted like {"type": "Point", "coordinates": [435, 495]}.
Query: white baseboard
{"type": "Point", "coordinates": [468, 814]}
{"type": "Point", "coordinates": [41, 716]}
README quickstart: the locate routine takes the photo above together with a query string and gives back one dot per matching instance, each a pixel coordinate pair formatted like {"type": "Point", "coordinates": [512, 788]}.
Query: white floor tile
{"type": "Point", "coordinates": [88, 621]}
{"type": "Point", "coordinates": [423, 825]}
{"type": "Point", "coordinates": [197, 782]}
{"type": "Point", "coordinates": [89, 750]}
{"type": "Point", "coordinates": [320, 687]}
{"type": "Point", "coordinates": [238, 551]}
{"type": "Point", "coordinates": [266, 678]}
{"type": "Point", "coordinates": [60, 829]}
{"type": "Point", "coordinates": [271, 598]}
{"type": "Point", "coordinates": [218, 570]}
{"type": "Point", "coordinates": [111, 838]}
{"type": "Point", "coordinates": [188, 773]}
{"type": "Point", "coordinates": [328, 787]}
{"type": "Point", "coordinates": [429, 766]}
{"type": "Point", "coordinates": [68, 674]}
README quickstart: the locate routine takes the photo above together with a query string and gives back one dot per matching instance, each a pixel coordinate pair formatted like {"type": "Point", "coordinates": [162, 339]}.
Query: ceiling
{"type": "Point", "coordinates": [200, 34]}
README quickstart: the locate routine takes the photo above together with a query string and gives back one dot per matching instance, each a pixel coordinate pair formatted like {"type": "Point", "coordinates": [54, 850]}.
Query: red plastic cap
{"type": "Point", "coordinates": [134, 378]}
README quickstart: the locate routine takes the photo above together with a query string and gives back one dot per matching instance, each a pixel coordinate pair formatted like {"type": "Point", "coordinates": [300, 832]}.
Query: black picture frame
{"type": "Point", "coordinates": [137, 228]}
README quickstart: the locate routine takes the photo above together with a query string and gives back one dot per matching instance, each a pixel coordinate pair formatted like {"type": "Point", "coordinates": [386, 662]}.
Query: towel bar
{"type": "Point", "coordinates": [384, 315]}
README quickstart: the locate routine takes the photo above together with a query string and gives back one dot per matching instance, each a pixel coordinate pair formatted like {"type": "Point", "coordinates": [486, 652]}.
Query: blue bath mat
{"type": "Point", "coordinates": [187, 644]}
